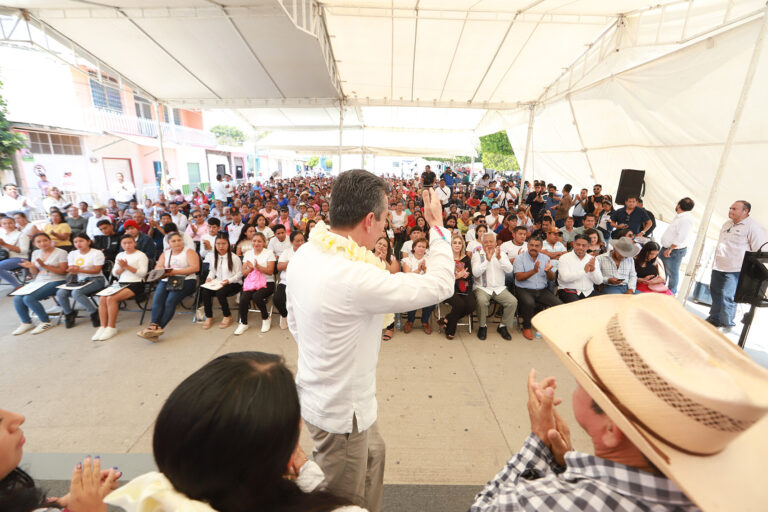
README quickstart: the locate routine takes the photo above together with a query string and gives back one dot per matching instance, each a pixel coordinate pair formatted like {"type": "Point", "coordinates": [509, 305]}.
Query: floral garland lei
{"type": "Point", "coordinates": [326, 241]}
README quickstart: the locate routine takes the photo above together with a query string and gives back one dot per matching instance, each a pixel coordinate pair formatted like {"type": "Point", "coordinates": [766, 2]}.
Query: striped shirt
{"type": "Point", "coordinates": [625, 270]}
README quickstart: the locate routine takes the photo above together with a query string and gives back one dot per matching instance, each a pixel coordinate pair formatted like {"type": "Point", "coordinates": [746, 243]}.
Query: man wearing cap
{"type": "Point", "coordinates": [578, 273]}
{"type": "Point", "coordinates": [533, 271]}
{"type": "Point", "coordinates": [618, 267]}
{"type": "Point", "coordinates": [649, 401]}
{"type": "Point", "coordinates": [99, 213]}
{"type": "Point", "coordinates": [739, 234]}
{"type": "Point", "coordinates": [494, 219]}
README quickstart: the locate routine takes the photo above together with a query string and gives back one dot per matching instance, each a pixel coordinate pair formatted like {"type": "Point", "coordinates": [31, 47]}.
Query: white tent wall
{"type": "Point", "coordinates": [669, 117]}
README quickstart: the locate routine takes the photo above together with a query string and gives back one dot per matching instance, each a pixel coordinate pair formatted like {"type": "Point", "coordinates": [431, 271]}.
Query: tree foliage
{"type": "Point", "coordinates": [313, 162]}
{"type": "Point", "coordinates": [228, 135]}
{"type": "Point", "coordinates": [10, 141]}
{"type": "Point", "coordinates": [497, 152]}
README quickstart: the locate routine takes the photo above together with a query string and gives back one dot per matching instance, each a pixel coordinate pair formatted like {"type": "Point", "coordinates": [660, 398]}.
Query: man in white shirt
{"type": "Point", "coordinates": [675, 240]}
{"type": "Point", "coordinates": [578, 272]}
{"type": "Point", "coordinates": [489, 267]}
{"type": "Point", "coordinates": [337, 299]}
{"type": "Point", "coordinates": [494, 219]}
{"type": "Point", "coordinates": [741, 233]}
{"type": "Point", "coordinates": [12, 201]}
{"type": "Point", "coordinates": [99, 214]}
{"type": "Point", "coordinates": [219, 190]}
{"type": "Point", "coordinates": [177, 217]}
{"type": "Point", "coordinates": [123, 191]}
{"type": "Point", "coordinates": [443, 193]}
{"type": "Point", "coordinates": [280, 242]}
{"type": "Point", "coordinates": [229, 187]}
{"type": "Point", "coordinates": [235, 227]}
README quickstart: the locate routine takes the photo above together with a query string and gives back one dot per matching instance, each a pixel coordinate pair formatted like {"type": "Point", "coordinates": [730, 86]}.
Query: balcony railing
{"type": "Point", "coordinates": [119, 123]}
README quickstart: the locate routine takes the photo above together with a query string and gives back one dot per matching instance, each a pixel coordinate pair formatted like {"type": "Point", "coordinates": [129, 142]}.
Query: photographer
{"type": "Point", "coordinates": [535, 200]}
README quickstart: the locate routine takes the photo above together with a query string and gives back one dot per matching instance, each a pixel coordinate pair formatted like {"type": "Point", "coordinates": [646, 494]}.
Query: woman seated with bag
{"type": "Point", "coordinates": [417, 262]}
{"type": "Point", "coordinates": [259, 283]}
{"type": "Point", "coordinates": [84, 267]}
{"type": "Point", "coordinates": [49, 266]}
{"type": "Point", "coordinates": [180, 264]}
{"type": "Point", "coordinates": [227, 440]}
{"type": "Point", "coordinates": [297, 239]}
{"type": "Point", "coordinates": [130, 268]}
{"type": "Point", "coordinates": [650, 271]}
{"type": "Point", "coordinates": [227, 269]}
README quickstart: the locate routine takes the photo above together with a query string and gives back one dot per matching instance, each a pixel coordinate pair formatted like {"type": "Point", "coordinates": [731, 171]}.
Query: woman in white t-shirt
{"type": "Point", "coordinates": [296, 239]}
{"type": "Point", "coordinates": [227, 269]}
{"type": "Point", "coordinates": [417, 263]}
{"type": "Point", "coordinates": [178, 261]}
{"type": "Point", "coordinates": [262, 260]}
{"type": "Point", "coordinates": [131, 266]}
{"type": "Point", "coordinates": [475, 246]}
{"type": "Point", "coordinates": [16, 244]}
{"type": "Point", "coordinates": [85, 263]}
{"type": "Point", "coordinates": [49, 266]}
{"type": "Point", "coordinates": [261, 227]}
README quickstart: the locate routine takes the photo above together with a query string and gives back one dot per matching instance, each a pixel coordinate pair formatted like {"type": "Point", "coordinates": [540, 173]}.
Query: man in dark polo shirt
{"type": "Point", "coordinates": [631, 217]}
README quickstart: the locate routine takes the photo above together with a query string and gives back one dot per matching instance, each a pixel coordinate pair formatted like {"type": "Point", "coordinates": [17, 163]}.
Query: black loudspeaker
{"type": "Point", "coordinates": [631, 183]}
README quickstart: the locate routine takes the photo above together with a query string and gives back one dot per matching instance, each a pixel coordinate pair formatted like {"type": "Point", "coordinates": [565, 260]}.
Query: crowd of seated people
{"type": "Point", "coordinates": [524, 248]}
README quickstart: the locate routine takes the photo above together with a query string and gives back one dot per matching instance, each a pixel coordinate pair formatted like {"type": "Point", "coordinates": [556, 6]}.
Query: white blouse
{"type": "Point", "coordinates": [178, 261]}
{"type": "Point", "coordinates": [55, 258]}
{"type": "Point", "coordinates": [93, 258]}
{"type": "Point", "coordinates": [18, 239]}
{"type": "Point", "coordinates": [264, 257]}
{"type": "Point", "coordinates": [137, 260]}
{"type": "Point", "coordinates": [222, 272]}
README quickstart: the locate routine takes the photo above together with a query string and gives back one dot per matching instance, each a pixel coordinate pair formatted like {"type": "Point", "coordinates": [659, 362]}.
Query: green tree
{"type": "Point", "coordinates": [313, 161]}
{"type": "Point", "coordinates": [228, 135]}
{"type": "Point", "coordinates": [497, 152]}
{"type": "Point", "coordinates": [10, 141]}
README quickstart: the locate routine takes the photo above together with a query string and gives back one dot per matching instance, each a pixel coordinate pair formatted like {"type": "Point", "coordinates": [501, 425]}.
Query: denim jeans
{"type": "Point", "coordinates": [722, 287]}
{"type": "Point", "coordinates": [81, 296]}
{"type": "Point", "coordinates": [614, 289]}
{"type": "Point", "coordinates": [5, 270]}
{"type": "Point", "coordinates": [165, 301]}
{"type": "Point", "coordinates": [426, 312]}
{"type": "Point", "coordinates": [672, 267]}
{"type": "Point", "coordinates": [23, 303]}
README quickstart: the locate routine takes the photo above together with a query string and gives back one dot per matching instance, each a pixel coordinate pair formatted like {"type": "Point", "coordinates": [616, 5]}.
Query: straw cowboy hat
{"type": "Point", "coordinates": [683, 393]}
{"type": "Point", "coordinates": [625, 247]}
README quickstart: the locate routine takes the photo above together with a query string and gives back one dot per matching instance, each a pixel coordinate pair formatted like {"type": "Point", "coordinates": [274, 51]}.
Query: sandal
{"type": "Point", "coordinates": [225, 322]}
{"type": "Point", "coordinates": [151, 333]}
{"type": "Point", "coordinates": [387, 335]}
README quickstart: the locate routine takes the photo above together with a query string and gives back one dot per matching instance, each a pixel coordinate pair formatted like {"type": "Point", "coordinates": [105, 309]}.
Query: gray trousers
{"type": "Point", "coordinates": [353, 463]}
{"type": "Point", "coordinates": [504, 298]}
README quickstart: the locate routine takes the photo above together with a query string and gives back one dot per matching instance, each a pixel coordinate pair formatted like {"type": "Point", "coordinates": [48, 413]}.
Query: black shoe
{"type": "Point", "coordinates": [482, 332]}
{"type": "Point", "coordinates": [95, 319]}
{"type": "Point", "coordinates": [504, 333]}
{"type": "Point", "coordinates": [69, 320]}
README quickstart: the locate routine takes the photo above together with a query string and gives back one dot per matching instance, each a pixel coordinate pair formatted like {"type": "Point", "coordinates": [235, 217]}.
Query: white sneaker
{"type": "Point", "coordinates": [266, 325]}
{"type": "Point", "coordinates": [98, 334]}
{"type": "Point", "coordinates": [42, 327]}
{"type": "Point", "coordinates": [22, 328]}
{"type": "Point", "coordinates": [283, 322]}
{"type": "Point", "coordinates": [241, 328]}
{"type": "Point", "coordinates": [109, 332]}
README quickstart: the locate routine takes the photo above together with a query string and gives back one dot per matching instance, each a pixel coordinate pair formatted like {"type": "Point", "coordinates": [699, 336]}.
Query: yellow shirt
{"type": "Point", "coordinates": [60, 228]}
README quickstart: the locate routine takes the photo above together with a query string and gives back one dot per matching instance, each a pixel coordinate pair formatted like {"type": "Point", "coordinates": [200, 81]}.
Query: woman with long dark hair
{"type": "Point", "coordinates": [84, 265]}
{"type": "Point", "coordinates": [228, 438]}
{"type": "Point", "coordinates": [650, 271]}
{"type": "Point", "coordinates": [227, 269]}
{"type": "Point", "coordinates": [463, 300]}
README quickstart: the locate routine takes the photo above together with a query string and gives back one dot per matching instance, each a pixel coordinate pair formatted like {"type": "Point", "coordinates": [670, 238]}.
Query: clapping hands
{"type": "Point", "coordinates": [89, 485]}
{"type": "Point", "coordinates": [546, 423]}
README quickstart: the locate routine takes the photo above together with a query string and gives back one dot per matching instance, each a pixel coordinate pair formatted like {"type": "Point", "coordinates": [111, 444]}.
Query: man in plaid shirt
{"type": "Point", "coordinates": [547, 475]}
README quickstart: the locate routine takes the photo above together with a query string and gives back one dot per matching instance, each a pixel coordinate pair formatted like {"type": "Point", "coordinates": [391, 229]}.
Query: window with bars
{"type": "Point", "coordinates": [104, 96]}
{"type": "Point", "coordinates": [177, 117]}
{"type": "Point", "coordinates": [54, 144]}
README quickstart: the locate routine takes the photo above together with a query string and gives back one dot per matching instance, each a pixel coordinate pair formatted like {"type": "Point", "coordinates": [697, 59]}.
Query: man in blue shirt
{"type": "Point", "coordinates": [532, 272]}
{"type": "Point", "coordinates": [631, 217]}
{"type": "Point", "coordinates": [552, 199]}
{"type": "Point", "coordinates": [448, 177]}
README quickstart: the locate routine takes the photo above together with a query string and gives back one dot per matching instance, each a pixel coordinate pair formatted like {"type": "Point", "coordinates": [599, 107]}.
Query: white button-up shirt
{"type": "Point", "coordinates": [489, 274]}
{"type": "Point", "coordinates": [572, 275]}
{"type": "Point", "coordinates": [679, 231]}
{"type": "Point", "coordinates": [336, 309]}
{"type": "Point", "coordinates": [735, 240]}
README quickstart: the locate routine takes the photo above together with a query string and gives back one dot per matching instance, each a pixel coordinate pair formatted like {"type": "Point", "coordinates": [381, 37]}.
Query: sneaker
{"type": "Point", "coordinates": [283, 322]}
{"type": "Point", "coordinates": [241, 328]}
{"type": "Point", "coordinates": [266, 324]}
{"type": "Point", "coordinates": [109, 332]}
{"type": "Point", "coordinates": [22, 328]}
{"type": "Point", "coordinates": [95, 321]}
{"type": "Point", "coordinates": [42, 327]}
{"type": "Point", "coordinates": [97, 335]}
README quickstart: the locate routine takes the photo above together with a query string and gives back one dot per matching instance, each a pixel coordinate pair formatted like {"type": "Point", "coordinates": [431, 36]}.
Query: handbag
{"type": "Point", "coordinates": [175, 283]}
{"type": "Point", "coordinates": [254, 281]}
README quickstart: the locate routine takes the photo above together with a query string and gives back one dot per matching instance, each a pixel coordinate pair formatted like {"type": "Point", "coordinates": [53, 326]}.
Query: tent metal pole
{"type": "Point", "coordinates": [163, 170]}
{"type": "Point", "coordinates": [532, 108]}
{"type": "Point", "coordinates": [581, 140]}
{"type": "Point", "coordinates": [341, 132]}
{"type": "Point", "coordinates": [698, 247]}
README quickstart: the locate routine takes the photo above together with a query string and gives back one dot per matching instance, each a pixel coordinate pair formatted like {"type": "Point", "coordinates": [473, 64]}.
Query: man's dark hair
{"type": "Point", "coordinates": [8, 185]}
{"type": "Point", "coordinates": [166, 214]}
{"type": "Point", "coordinates": [214, 221]}
{"type": "Point", "coordinates": [591, 215]}
{"type": "Point", "coordinates": [747, 205]}
{"type": "Point", "coordinates": [632, 196]}
{"type": "Point", "coordinates": [520, 228]}
{"type": "Point", "coordinates": [355, 194]}
{"type": "Point", "coordinates": [20, 214]}
{"type": "Point", "coordinates": [581, 237]}
{"type": "Point", "coordinates": [170, 228]}
{"type": "Point", "coordinates": [686, 204]}
{"type": "Point", "coordinates": [278, 227]}
{"type": "Point", "coordinates": [102, 223]}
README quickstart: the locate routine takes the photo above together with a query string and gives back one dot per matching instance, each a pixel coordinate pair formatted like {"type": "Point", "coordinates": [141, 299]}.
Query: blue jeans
{"type": "Point", "coordinates": [5, 270]}
{"type": "Point", "coordinates": [672, 266]}
{"type": "Point", "coordinates": [23, 303]}
{"type": "Point", "coordinates": [81, 296]}
{"type": "Point", "coordinates": [164, 303]}
{"type": "Point", "coordinates": [722, 287]}
{"type": "Point", "coordinates": [614, 289]}
{"type": "Point", "coordinates": [426, 312]}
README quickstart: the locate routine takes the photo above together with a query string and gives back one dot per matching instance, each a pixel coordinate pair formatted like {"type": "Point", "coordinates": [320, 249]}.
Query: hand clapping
{"type": "Point", "coordinates": [89, 486]}
{"type": "Point", "coordinates": [546, 423]}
